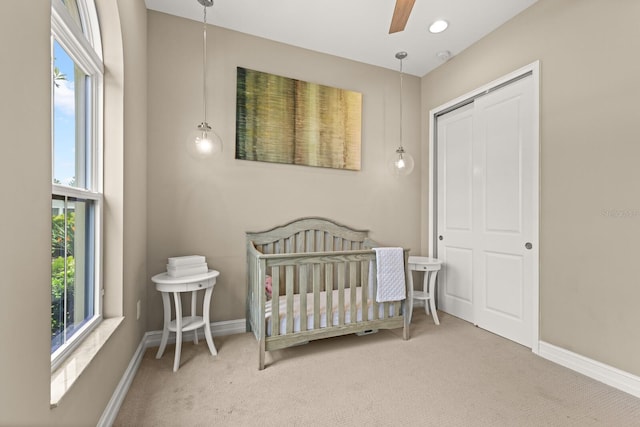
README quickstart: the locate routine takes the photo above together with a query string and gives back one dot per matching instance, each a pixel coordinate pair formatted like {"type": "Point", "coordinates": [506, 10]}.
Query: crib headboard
{"type": "Point", "coordinates": [310, 234]}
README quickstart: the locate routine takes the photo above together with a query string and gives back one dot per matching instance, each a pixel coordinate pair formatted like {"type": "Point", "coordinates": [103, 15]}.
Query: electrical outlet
{"type": "Point", "coordinates": [138, 310]}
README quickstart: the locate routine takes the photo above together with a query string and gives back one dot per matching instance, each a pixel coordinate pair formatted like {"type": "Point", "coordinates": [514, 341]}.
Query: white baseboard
{"type": "Point", "coordinates": [111, 411]}
{"type": "Point", "coordinates": [152, 339]}
{"type": "Point", "coordinates": [606, 374]}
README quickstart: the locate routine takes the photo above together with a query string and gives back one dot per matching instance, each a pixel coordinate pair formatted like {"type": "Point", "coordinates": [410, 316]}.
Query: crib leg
{"type": "Point", "coordinates": [261, 355]}
{"type": "Point", "coordinates": [407, 323]}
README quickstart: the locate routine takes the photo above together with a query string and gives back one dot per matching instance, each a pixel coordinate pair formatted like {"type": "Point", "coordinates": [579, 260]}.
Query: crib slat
{"type": "Point", "coordinates": [396, 308]}
{"type": "Point", "coordinates": [302, 284]}
{"type": "Point", "coordinates": [316, 296]}
{"type": "Point", "coordinates": [328, 287]}
{"type": "Point", "coordinates": [338, 243]}
{"type": "Point", "coordinates": [275, 301]}
{"type": "Point", "coordinates": [319, 247]}
{"type": "Point", "coordinates": [353, 270]}
{"type": "Point", "coordinates": [358, 274]}
{"type": "Point", "coordinates": [329, 242]}
{"type": "Point", "coordinates": [304, 277]}
{"type": "Point", "coordinates": [300, 242]}
{"type": "Point", "coordinates": [374, 291]}
{"type": "Point", "coordinates": [326, 246]}
{"type": "Point", "coordinates": [364, 273]}
{"type": "Point", "coordinates": [297, 246]}
{"type": "Point", "coordinates": [311, 241]}
{"type": "Point", "coordinates": [289, 271]}
{"type": "Point", "coordinates": [341, 279]}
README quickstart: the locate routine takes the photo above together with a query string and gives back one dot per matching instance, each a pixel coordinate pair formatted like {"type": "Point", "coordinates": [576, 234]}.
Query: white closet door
{"type": "Point", "coordinates": [486, 206]}
{"type": "Point", "coordinates": [455, 212]}
{"type": "Point", "coordinates": [504, 184]}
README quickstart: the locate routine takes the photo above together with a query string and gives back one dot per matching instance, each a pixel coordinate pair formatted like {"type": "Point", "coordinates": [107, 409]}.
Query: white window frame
{"type": "Point", "coordinates": [85, 49]}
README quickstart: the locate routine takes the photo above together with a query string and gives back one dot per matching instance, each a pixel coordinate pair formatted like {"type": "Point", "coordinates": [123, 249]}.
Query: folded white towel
{"type": "Point", "coordinates": [186, 267]}
{"type": "Point", "coordinates": [187, 271]}
{"type": "Point", "coordinates": [186, 260]}
{"type": "Point", "coordinates": [391, 279]}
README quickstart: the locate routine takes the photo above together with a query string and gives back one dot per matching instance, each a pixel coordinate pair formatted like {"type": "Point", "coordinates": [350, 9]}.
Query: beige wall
{"type": "Point", "coordinates": [590, 146]}
{"type": "Point", "coordinates": [25, 173]}
{"type": "Point", "coordinates": [25, 170]}
{"type": "Point", "coordinates": [205, 207]}
{"type": "Point", "coordinates": [165, 204]}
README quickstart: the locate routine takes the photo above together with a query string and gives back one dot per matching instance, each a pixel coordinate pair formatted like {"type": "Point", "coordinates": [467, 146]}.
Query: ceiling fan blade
{"type": "Point", "coordinates": [401, 15]}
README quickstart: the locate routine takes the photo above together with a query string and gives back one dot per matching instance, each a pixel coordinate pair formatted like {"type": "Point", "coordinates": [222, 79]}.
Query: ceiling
{"type": "Point", "coordinates": [357, 29]}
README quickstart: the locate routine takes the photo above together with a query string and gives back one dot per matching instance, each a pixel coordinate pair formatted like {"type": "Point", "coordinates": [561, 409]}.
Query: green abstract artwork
{"type": "Point", "coordinates": [284, 120]}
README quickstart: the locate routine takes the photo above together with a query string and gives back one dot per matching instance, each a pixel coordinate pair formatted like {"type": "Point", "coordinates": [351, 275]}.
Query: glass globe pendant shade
{"type": "Point", "coordinates": [203, 142]}
{"type": "Point", "coordinates": [401, 163]}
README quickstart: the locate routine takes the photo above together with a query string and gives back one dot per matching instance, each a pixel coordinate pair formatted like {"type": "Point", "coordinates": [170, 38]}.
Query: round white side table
{"type": "Point", "coordinates": [166, 285]}
{"type": "Point", "coordinates": [430, 268]}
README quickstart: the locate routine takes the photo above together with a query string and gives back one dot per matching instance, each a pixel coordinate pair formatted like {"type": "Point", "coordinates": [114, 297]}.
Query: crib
{"type": "Point", "coordinates": [323, 283]}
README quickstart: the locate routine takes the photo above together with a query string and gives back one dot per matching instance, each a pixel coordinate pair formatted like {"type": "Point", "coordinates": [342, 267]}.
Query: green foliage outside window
{"type": "Point", "coordinates": [62, 245]}
{"type": "Point", "coordinates": [58, 312]}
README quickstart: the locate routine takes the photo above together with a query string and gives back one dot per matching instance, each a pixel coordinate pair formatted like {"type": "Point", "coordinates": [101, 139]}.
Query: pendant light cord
{"type": "Point", "coordinates": [401, 103]}
{"type": "Point", "coordinates": [204, 65]}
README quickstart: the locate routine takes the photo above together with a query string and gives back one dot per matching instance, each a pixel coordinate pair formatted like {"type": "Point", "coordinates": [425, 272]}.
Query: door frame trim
{"type": "Point", "coordinates": [532, 69]}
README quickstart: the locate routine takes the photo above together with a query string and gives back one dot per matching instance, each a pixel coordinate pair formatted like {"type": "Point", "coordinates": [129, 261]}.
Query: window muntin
{"type": "Point", "coordinates": [76, 197]}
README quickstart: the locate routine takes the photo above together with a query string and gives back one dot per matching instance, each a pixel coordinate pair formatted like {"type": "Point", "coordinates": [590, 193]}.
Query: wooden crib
{"type": "Point", "coordinates": [321, 272]}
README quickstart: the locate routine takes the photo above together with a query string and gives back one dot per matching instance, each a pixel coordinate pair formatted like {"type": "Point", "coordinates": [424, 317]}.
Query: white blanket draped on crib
{"type": "Point", "coordinates": [391, 279]}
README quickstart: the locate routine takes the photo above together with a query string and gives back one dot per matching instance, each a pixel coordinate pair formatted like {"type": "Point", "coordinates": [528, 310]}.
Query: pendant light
{"type": "Point", "coordinates": [402, 162]}
{"type": "Point", "coordinates": [203, 141]}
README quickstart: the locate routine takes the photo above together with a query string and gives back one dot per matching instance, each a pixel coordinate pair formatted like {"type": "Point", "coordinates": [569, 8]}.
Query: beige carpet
{"type": "Point", "coordinates": [448, 375]}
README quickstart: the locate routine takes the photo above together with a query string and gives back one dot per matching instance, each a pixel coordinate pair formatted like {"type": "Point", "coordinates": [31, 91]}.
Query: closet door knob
{"type": "Point", "coordinates": [528, 245]}
{"type": "Point", "coordinates": [440, 237]}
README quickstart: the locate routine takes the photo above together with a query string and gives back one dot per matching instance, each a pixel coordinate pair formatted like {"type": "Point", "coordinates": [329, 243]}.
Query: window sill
{"type": "Point", "coordinates": [66, 375]}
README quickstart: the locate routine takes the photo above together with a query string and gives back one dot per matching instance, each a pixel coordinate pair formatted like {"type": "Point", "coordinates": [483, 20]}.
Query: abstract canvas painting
{"type": "Point", "coordinates": [284, 120]}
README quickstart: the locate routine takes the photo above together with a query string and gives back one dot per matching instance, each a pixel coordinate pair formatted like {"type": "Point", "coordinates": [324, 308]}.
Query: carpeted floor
{"type": "Point", "coordinates": [448, 375]}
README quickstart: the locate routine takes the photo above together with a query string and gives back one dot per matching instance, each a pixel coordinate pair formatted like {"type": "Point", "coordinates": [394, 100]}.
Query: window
{"type": "Point", "coordinates": [76, 196]}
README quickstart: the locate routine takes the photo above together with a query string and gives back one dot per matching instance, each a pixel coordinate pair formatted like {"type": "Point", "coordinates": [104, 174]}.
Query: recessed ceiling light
{"type": "Point", "coordinates": [439, 26]}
